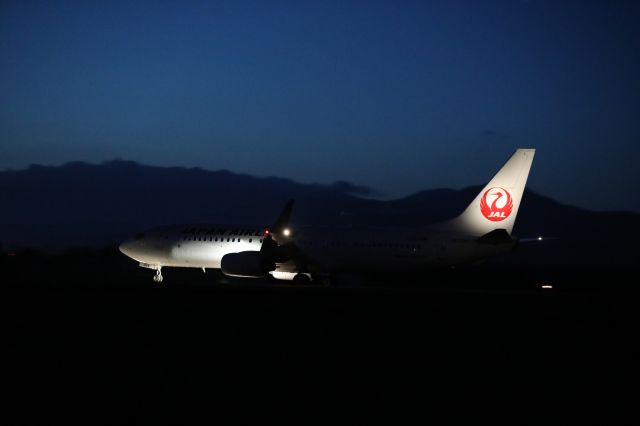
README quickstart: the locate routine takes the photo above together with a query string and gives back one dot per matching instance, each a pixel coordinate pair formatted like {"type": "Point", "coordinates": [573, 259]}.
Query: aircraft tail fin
{"type": "Point", "coordinates": [496, 206]}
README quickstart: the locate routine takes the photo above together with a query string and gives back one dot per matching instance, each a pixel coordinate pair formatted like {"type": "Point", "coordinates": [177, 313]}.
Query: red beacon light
{"type": "Point", "coordinates": [266, 232]}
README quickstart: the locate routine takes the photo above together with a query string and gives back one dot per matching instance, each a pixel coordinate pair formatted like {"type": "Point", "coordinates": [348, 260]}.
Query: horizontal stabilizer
{"type": "Point", "coordinates": [536, 239]}
{"type": "Point", "coordinates": [497, 236]}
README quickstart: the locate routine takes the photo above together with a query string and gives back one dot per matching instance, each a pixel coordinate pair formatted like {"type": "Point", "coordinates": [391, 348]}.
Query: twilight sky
{"type": "Point", "coordinates": [399, 96]}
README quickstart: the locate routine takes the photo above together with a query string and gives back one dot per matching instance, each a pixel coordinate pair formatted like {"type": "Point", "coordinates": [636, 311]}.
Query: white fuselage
{"type": "Point", "coordinates": [349, 249]}
{"type": "Point", "coordinates": [195, 246]}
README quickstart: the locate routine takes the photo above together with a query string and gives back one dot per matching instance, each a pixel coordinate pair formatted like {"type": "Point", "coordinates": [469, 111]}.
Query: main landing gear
{"type": "Point", "coordinates": [302, 279]}
{"type": "Point", "coordinates": [306, 279]}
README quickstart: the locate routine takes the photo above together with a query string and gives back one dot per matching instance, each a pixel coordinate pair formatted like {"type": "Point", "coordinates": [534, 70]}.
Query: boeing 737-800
{"type": "Point", "coordinates": [482, 230]}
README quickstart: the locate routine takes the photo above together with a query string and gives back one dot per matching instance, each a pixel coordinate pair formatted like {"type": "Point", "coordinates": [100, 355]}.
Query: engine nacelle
{"type": "Point", "coordinates": [246, 264]}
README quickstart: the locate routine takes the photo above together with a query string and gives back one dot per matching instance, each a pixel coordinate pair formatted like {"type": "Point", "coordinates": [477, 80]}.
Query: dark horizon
{"type": "Point", "coordinates": [347, 187]}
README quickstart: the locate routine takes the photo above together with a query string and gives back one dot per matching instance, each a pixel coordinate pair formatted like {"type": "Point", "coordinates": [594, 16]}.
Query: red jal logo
{"type": "Point", "coordinates": [496, 204]}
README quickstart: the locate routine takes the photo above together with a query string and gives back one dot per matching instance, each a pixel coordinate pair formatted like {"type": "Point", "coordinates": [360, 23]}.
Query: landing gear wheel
{"type": "Point", "coordinates": [158, 276]}
{"type": "Point", "coordinates": [301, 279]}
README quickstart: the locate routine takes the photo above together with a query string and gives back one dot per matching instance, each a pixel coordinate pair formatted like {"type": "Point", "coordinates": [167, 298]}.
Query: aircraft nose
{"type": "Point", "coordinates": [126, 248]}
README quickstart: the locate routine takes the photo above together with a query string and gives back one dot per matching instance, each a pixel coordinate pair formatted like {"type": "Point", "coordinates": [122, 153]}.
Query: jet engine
{"type": "Point", "coordinates": [246, 264]}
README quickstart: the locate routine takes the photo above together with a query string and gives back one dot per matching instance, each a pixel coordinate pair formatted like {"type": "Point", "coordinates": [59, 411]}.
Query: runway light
{"type": "Point", "coordinates": [286, 232]}
{"type": "Point", "coordinates": [547, 286]}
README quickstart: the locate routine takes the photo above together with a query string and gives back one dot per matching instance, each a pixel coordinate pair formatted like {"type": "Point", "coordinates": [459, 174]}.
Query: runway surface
{"type": "Point", "coordinates": [90, 329]}
{"type": "Point", "coordinates": [365, 351]}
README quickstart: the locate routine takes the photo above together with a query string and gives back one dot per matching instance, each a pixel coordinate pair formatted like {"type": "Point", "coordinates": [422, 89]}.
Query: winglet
{"type": "Point", "coordinates": [277, 235]}
{"type": "Point", "coordinates": [283, 220]}
{"type": "Point", "coordinates": [279, 232]}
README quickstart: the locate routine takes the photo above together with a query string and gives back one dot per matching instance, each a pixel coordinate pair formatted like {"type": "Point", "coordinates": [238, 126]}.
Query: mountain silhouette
{"type": "Point", "coordinates": [95, 205]}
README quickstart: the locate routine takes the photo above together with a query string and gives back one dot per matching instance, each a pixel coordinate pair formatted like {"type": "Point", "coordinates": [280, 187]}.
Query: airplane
{"type": "Point", "coordinates": [313, 254]}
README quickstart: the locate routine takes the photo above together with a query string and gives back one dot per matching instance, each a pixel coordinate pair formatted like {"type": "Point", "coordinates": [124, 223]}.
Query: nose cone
{"type": "Point", "coordinates": [142, 248]}
{"type": "Point", "coordinates": [126, 248]}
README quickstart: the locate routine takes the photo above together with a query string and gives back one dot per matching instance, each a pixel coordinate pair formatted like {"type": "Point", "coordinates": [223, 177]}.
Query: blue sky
{"type": "Point", "coordinates": [399, 96]}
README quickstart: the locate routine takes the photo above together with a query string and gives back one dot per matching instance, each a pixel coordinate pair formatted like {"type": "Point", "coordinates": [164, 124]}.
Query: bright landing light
{"type": "Point", "coordinates": [286, 232]}
{"type": "Point", "coordinates": [547, 286]}
{"type": "Point", "coordinates": [539, 238]}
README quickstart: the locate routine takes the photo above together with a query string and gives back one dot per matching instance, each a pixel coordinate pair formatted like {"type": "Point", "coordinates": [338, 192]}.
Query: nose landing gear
{"type": "Point", "coordinates": [158, 268]}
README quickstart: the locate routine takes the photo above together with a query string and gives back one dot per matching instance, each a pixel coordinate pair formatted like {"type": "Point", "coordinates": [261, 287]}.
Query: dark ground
{"type": "Point", "coordinates": [91, 329]}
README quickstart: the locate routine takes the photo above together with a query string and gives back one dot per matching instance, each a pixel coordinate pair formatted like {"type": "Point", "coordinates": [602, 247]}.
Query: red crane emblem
{"type": "Point", "coordinates": [496, 204]}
